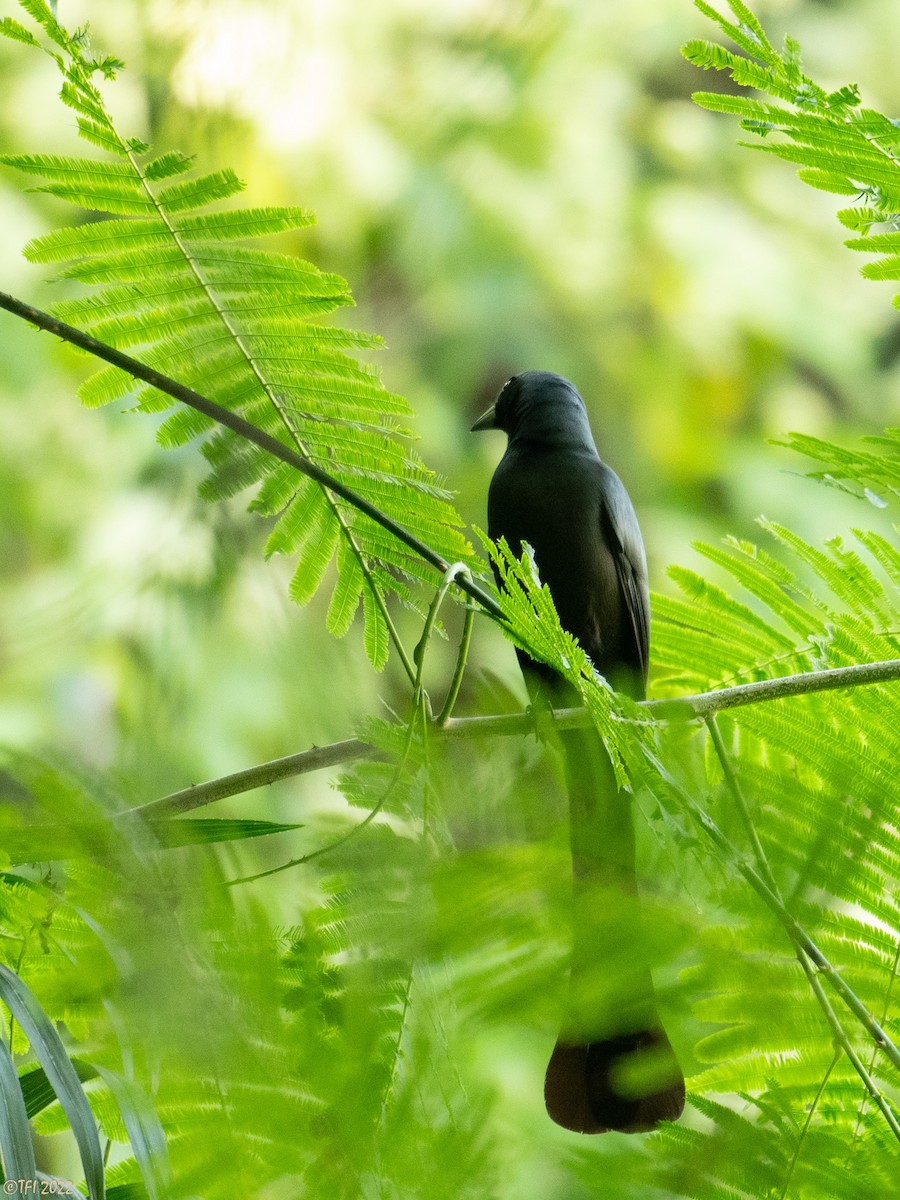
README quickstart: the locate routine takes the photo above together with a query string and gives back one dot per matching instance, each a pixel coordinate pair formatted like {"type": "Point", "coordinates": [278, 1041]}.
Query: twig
{"type": "Point", "coordinates": [884, 1015]}
{"type": "Point", "coordinates": [200, 794]}
{"type": "Point", "coordinates": [461, 659]}
{"type": "Point", "coordinates": [841, 1038]}
{"type": "Point", "coordinates": [420, 653]}
{"type": "Point", "coordinates": [685, 708]}
{"type": "Point", "coordinates": [743, 808]}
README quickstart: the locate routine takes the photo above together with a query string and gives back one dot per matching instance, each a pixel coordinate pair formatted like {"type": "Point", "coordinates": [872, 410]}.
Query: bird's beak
{"type": "Point", "coordinates": [487, 420]}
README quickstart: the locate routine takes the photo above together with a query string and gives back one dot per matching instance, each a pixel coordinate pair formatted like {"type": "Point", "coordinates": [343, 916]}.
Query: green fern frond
{"type": "Point", "coordinates": [12, 29]}
{"type": "Point", "coordinates": [839, 145]}
{"type": "Point", "coordinates": [823, 807]}
{"type": "Point", "coordinates": [242, 326]}
{"type": "Point", "coordinates": [745, 72]}
{"type": "Point", "coordinates": [865, 474]}
{"type": "Point", "coordinates": [748, 33]}
{"type": "Point", "coordinates": [534, 625]}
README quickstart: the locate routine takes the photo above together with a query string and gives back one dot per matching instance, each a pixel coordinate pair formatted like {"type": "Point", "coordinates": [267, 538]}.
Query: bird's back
{"type": "Point", "coordinates": [553, 499]}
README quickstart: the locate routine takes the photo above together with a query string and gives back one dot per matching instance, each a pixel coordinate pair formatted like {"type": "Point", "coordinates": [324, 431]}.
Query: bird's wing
{"type": "Point", "coordinates": [620, 526]}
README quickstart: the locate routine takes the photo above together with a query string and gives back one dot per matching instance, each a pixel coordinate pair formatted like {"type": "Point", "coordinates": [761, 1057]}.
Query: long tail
{"type": "Point", "coordinates": [613, 1067]}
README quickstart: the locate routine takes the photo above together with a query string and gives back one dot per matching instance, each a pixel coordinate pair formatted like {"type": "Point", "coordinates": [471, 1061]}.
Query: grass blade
{"type": "Point", "coordinates": [50, 1052]}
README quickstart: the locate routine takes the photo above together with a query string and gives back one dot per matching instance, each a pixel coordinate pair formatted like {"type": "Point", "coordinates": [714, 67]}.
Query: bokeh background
{"type": "Point", "coordinates": [506, 185]}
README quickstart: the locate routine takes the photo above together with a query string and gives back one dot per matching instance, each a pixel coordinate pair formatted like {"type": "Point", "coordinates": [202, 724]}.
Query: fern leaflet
{"type": "Point", "coordinates": [179, 284]}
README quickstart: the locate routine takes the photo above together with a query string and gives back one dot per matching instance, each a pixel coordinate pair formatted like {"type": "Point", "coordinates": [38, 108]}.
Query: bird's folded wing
{"type": "Point", "coordinates": [619, 525]}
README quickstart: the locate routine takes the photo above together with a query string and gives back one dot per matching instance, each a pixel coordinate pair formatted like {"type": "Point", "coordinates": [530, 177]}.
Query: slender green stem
{"type": "Point", "coordinates": [824, 967]}
{"type": "Point", "coordinates": [421, 651]}
{"type": "Point", "coordinates": [836, 1057]}
{"type": "Point", "coordinates": [244, 429]}
{"type": "Point", "coordinates": [737, 792]}
{"type": "Point", "coordinates": [794, 929]}
{"type": "Point", "coordinates": [351, 833]}
{"type": "Point", "coordinates": [839, 1033]}
{"type": "Point", "coordinates": [840, 1036]}
{"type": "Point", "coordinates": [451, 575]}
{"type": "Point", "coordinates": [308, 858]}
{"type": "Point", "coordinates": [509, 725]}
{"type": "Point", "coordinates": [884, 1013]}
{"type": "Point", "coordinates": [461, 659]}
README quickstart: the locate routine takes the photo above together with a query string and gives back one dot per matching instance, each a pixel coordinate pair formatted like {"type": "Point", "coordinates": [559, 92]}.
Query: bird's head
{"type": "Point", "coordinates": [538, 406]}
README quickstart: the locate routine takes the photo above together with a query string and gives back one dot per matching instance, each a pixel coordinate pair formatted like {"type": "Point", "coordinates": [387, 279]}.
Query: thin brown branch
{"type": "Point", "coordinates": [685, 708]}
{"type": "Point", "coordinates": [200, 794]}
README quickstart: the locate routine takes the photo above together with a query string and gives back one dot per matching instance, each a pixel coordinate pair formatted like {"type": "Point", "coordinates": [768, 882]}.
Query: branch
{"type": "Point", "coordinates": [684, 708]}
{"type": "Point", "coordinates": [200, 794]}
{"type": "Point", "coordinates": [244, 429]}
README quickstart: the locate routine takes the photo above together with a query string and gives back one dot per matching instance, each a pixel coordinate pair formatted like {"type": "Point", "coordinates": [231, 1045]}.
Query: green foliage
{"type": "Point", "coordinates": [823, 807]}
{"type": "Point", "coordinates": [179, 286]}
{"type": "Point", "coordinates": [534, 625]}
{"type": "Point", "coordinates": [50, 1052]}
{"type": "Point", "coordinates": [361, 1051]}
{"type": "Point", "coordinates": [45, 843]}
{"type": "Point", "coordinates": [861, 472]}
{"type": "Point", "coordinates": [841, 146]}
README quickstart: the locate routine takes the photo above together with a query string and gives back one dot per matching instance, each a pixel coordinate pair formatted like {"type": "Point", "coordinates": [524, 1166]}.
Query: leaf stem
{"type": "Point", "coordinates": [419, 654]}
{"type": "Point", "coordinates": [793, 927]}
{"type": "Point", "coordinates": [838, 1031]}
{"type": "Point", "coordinates": [884, 1015]}
{"type": "Point", "coordinates": [743, 808]}
{"type": "Point", "coordinates": [843, 1041]}
{"type": "Point", "coordinates": [836, 1057]}
{"type": "Point", "coordinates": [461, 658]}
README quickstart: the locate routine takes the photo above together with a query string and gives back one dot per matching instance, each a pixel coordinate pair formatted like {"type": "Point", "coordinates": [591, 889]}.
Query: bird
{"type": "Point", "coordinates": [613, 1067]}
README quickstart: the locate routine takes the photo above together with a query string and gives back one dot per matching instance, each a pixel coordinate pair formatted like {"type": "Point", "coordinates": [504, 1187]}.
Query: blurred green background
{"type": "Point", "coordinates": [506, 185]}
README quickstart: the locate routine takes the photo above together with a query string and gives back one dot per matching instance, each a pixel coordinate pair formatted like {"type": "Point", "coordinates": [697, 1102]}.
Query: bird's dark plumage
{"type": "Point", "coordinates": [553, 491]}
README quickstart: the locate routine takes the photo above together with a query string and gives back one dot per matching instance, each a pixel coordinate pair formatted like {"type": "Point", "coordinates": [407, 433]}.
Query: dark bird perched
{"type": "Point", "coordinates": [611, 1069]}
